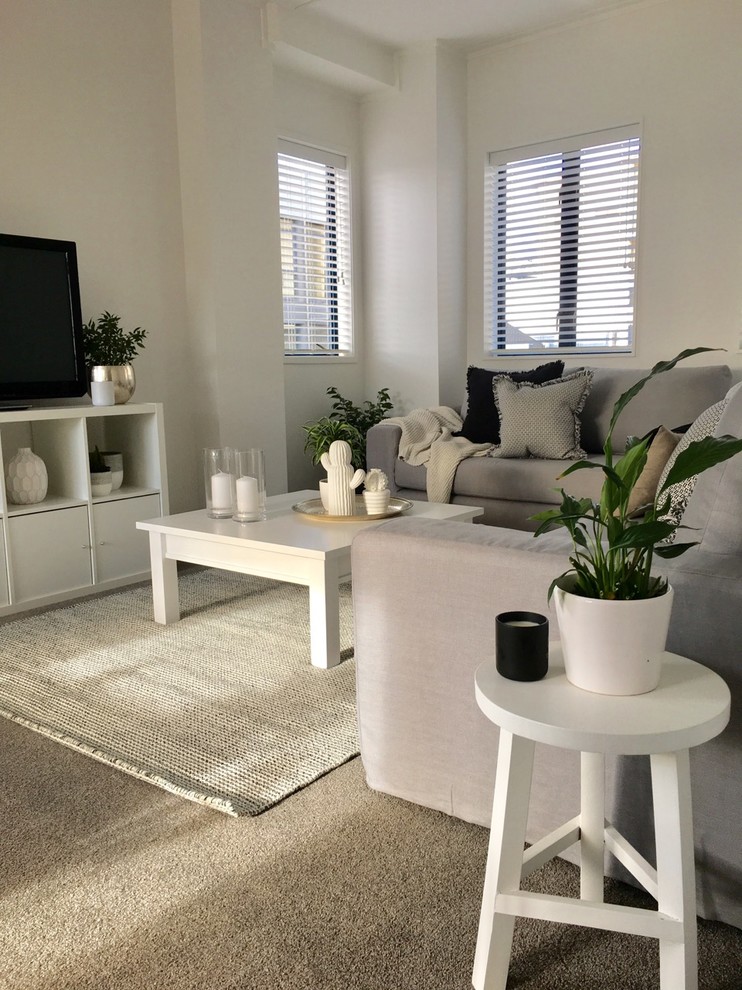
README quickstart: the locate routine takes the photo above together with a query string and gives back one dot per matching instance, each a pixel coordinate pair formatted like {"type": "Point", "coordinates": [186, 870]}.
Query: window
{"type": "Point", "coordinates": [560, 242]}
{"type": "Point", "coordinates": [314, 197]}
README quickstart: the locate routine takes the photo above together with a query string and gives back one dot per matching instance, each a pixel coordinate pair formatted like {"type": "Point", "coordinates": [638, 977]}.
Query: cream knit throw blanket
{"type": "Point", "coordinates": [426, 439]}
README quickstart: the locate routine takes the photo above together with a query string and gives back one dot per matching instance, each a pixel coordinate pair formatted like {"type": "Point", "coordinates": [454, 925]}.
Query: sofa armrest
{"type": "Point", "coordinates": [382, 450]}
{"type": "Point", "coordinates": [425, 597]}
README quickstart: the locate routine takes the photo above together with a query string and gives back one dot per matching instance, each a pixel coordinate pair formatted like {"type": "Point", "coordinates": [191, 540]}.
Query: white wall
{"type": "Point", "coordinates": [230, 209]}
{"type": "Point", "coordinates": [414, 141]}
{"type": "Point", "coordinates": [676, 68]}
{"type": "Point", "coordinates": [89, 153]}
{"type": "Point", "coordinates": [325, 117]}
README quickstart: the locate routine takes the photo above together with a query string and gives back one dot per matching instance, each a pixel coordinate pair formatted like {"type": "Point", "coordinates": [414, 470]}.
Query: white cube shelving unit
{"type": "Point", "coordinates": [72, 544]}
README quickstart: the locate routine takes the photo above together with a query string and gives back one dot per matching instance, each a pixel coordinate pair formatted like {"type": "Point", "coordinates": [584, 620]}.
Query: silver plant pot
{"type": "Point", "coordinates": [122, 376]}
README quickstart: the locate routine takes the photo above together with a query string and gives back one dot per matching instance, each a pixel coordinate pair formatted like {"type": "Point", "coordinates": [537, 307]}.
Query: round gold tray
{"type": "Point", "coordinates": [314, 509]}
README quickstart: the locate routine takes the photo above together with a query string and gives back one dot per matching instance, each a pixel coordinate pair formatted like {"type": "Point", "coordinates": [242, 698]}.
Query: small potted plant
{"type": "Point", "coordinates": [348, 422]}
{"type": "Point", "coordinates": [109, 351]}
{"type": "Point", "coordinates": [101, 481]}
{"type": "Point", "coordinates": [613, 610]}
{"type": "Point", "coordinates": [376, 492]}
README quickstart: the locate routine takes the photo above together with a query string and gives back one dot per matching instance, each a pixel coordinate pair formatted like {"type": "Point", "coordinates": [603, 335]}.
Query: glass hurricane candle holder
{"type": "Point", "coordinates": [218, 479]}
{"type": "Point", "coordinates": [248, 485]}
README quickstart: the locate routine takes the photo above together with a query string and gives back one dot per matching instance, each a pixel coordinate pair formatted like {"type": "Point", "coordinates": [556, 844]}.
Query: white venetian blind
{"type": "Point", "coordinates": [560, 242]}
{"type": "Point", "coordinates": [314, 197]}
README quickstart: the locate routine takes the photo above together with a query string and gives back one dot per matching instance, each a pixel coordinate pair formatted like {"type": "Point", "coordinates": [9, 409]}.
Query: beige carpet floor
{"type": "Point", "coordinates": [108, 883]}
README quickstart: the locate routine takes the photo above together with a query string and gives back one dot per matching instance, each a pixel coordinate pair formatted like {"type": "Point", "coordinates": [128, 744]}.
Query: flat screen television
{"type": "Point", "coordinates": [41, 346]}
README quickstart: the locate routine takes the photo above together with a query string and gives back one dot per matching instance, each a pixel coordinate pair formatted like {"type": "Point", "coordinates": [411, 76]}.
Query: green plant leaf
{"type": "Point", "coordinates": [660, 368]}
{"type": "Point", "coordinates": [701, 455]}
{"type": "Point", "coordinates": [642, 534]}
{"type": "Point", "coordinates": [674, 549]}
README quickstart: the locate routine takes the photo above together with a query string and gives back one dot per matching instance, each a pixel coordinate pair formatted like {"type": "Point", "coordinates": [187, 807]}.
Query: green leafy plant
{"type": "Point", "coordinates": [106, 343]}
{"type": "Point", "coordinates": [347, 421]}
{"type": "Point", "coordinates": [97, 464]}
{"type": "Point", "coordinates": [324, 432]}
{"type": "Point", "coordinates": [612, 552]}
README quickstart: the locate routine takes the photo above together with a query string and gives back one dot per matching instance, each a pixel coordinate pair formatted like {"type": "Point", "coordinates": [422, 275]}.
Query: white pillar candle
{"type": "Point", "coordinates": [247, 495]}
{"type": "Point", "coordinates": [103, 393]}
{"type": "Point", "coordinates": [221, 490]}
{"type": "Point", "coordinates": [521, 622]}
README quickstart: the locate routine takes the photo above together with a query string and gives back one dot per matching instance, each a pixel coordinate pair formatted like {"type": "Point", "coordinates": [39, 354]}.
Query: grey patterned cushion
{"type": "Point", "coordinates": [541, 420]}
{"type": "Point", "coordinates": [680, 494]}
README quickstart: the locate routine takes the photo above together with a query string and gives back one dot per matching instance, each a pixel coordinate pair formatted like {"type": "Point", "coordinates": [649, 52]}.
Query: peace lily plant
{"type": "Point", "coordinates": [613, 553]}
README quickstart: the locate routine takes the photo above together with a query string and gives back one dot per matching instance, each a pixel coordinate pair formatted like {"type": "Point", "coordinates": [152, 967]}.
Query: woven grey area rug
{"type": "Point", "coordinates": [222, 708]}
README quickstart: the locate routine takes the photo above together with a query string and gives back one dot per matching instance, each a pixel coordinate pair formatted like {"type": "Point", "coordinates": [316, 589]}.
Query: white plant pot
{"type": "Point", "coordinates": [101, 483]}
{"type": "Point", "coordinates": [115, 461]}
{"type": "Point", "coordinates": [324, 497]}
{"type": "Point", "coordinates": [376, 502]}
{"type": "Point", "coordinates": [612, 647]}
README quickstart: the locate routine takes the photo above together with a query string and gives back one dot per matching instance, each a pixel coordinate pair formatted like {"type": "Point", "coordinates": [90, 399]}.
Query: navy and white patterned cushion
{"type": "Point", "coordinates": [680, 493]}
{"type": "Point", "coordinates": [541, 420]}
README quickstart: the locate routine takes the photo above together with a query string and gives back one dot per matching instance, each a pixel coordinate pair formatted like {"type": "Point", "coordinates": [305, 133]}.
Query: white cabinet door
{"type": "Point", "coordinates": [50, 552]}
{"type": "Point", "coordinates": [120, 548]}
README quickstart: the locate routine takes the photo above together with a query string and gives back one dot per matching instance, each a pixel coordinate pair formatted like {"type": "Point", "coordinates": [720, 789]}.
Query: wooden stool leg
{"type": "Point", "coordinates": [504, 859]}
{"type": "Point", "coordinates": [676, 883]}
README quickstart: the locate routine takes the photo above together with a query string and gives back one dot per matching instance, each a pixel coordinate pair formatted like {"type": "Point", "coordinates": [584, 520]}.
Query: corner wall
{"type": "Point", "coordinates": [414, 222]}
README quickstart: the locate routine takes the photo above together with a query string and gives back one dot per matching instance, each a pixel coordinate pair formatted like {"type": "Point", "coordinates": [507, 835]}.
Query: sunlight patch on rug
{"type": "Point", "coordinates": [223, 707]}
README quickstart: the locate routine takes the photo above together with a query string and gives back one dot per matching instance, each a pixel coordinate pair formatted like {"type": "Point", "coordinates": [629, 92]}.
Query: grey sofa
{"type": "Point", "coordinates": [511, 490]}
{"type": "Point", "coordinates": [425, 597]}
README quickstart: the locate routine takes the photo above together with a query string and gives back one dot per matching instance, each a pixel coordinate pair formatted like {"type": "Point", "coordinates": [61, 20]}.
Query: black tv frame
{"type": "Point", "coordinates": [19, 394]}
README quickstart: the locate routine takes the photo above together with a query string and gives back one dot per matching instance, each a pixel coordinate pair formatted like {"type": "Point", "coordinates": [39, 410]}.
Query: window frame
{"type": "Point", "coordinates": [340, 290]}
{"type": "Point", "coordinates": [568, 270]}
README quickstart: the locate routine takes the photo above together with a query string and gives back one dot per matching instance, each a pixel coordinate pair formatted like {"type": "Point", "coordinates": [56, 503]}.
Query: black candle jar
{"type": "Point", "coordinates": [522, 645]}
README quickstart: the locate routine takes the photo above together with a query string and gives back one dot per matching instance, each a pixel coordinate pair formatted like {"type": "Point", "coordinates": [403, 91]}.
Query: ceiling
{"type": "Point", "coordinates": [470, 24]}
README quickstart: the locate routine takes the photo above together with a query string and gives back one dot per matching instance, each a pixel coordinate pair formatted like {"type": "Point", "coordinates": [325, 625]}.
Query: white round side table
{"type": "Point", "coordinates": [690, 706]}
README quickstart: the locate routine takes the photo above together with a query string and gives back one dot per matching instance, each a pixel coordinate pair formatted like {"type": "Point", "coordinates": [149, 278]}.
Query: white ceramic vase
{"type": "Point", "coordinates": [26, 478]}
{"type": "Point", "coordinates": [613, 647]}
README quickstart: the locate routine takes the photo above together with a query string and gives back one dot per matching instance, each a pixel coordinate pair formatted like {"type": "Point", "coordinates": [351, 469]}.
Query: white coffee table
{"type": "Point", "coordinates": [287, 546]}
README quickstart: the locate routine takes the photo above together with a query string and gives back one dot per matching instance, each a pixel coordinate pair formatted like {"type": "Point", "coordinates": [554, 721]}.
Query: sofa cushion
{"type": "Point", "coordinates": [521, 479]}
{"type": "Point", "coordinates": [714, 509]}
{"type": "Point", "coordinates": [659, 453]}
{"type": "Point", "coordinates": [481, 422]}
{"type": "Point", "coordinates": [674, 397]}
{"type": "Point", "coordinates": [541, 420]}
{"type": "Point", "coordinates": [679, 494]}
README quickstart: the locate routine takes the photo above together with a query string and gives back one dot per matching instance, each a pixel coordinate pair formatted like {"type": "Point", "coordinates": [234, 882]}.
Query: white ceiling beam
{"type": "Point", "coordinates": [311, 44]}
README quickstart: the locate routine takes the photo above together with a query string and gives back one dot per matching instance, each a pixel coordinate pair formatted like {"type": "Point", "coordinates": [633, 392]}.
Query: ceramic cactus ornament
{"type": "Point", "coordinates": [377, 495]}
{"type": "Point", "coordinates": [376, 480]}
{"type": "Point", "coordinates": [341, 479]}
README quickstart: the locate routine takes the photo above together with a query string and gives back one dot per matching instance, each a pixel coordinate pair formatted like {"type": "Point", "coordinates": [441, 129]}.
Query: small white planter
{"type": "Point", "coordinates": [101, 483]}
{"type": "Point", "coordinates": [613, 647]}
{"type": "Point", "coordinates": [324, 497]}
{"type": "Point", "coordinates": [376, 502]}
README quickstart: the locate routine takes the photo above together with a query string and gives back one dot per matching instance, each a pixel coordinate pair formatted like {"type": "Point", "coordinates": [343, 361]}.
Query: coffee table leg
{"type": "Point", "coordinates": [164, 581]}
{"type": "Point", "coordinates": [324, 615]}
